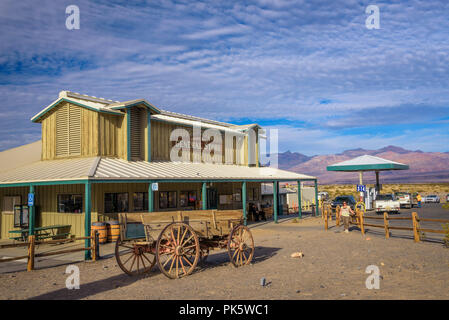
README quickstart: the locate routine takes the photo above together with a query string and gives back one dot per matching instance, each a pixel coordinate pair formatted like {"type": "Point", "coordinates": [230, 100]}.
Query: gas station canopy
{"type": "Point", "coordinates": [367, 163]}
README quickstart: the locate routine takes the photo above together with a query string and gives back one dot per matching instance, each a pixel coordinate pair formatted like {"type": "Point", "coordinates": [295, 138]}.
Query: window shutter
{"type": "Point", "coordinates": [136, 133]}
{"type": "Point", "coordinates": [68, 131]}
{"type": "Point", "coordinates": [74, 130]}
{"type": "Point", "coordinates": [62, 131]}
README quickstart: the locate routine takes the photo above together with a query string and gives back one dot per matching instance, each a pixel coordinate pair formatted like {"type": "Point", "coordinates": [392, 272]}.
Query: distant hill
{"type": "Point", "coordinates": [424, 166]}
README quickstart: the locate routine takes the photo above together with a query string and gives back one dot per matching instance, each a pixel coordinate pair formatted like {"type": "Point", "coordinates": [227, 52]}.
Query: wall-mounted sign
{"type": "Point", "coordinates": [30, 199]}
{"type": "Point", "coordinates": [155, 186]}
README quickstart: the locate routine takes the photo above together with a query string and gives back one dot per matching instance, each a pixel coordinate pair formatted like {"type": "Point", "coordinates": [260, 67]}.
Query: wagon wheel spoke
{"type": "Point", "coordinates": [187, 260]}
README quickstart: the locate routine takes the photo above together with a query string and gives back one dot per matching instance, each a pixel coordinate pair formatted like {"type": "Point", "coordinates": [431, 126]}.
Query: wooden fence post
{"type": "Point", "coordinates": [30, 265]}
{"type": "Point", "coordinates": [326, 223]}
{"type": "Point", "coordinates": [415, 220]}
{"type": "Point", "coordinates": [387, 231]}
{"type": "Point", "coordinates": [337, 215]}
{"type": "Point", "coordinates": [362, 227]}
{"type": "Point", "coordinates": [93, 245]}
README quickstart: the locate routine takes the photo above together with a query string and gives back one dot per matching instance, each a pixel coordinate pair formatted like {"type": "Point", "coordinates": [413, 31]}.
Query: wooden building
{"type": "Point", "coordinates": [98, 157]}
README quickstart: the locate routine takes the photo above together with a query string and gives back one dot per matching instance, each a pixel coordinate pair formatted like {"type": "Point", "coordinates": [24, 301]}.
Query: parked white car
{"type": "Point", "coordinates": [432, 198]}
{"type": "Point", "coordinates": [386, 203]}
{"type": "Point", "coordinates": [405, 199]}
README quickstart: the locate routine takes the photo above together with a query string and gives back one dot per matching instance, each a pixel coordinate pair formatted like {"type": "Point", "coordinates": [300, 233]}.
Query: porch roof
{"type": "Point", "coordinates": [111, 169]}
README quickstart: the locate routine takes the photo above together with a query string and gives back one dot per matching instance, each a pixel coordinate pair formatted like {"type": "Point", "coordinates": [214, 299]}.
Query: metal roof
{"type": "Point", "coordinates": [50, 170]}
{"type": "Point", "coordinates": [105, 169]}
{"type": "Point", "coordinates": [110, 168]}
{"type": "Point", "coordinates": [110, 106]}
{"type": "Point", "coordinates": [367, 163]}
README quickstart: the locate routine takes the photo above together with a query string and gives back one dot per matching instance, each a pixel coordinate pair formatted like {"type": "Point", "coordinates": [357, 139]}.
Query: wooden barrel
{"type": "Point", "coordinates": [113, 230]}
{"type": "Point", "coordinates": [102, 231]}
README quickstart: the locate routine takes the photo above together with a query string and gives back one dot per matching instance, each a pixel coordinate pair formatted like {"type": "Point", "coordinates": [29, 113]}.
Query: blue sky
{"type": "Point", "coordinates": [308, 68]}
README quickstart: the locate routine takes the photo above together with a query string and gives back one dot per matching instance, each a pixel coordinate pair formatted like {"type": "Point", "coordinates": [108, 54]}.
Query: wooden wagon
{"type": "Point", "coordinates": [176, 241]}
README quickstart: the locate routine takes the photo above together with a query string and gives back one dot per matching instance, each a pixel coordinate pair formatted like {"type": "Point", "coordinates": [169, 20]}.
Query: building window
{"type": "Point", "coordinates": [253, 195]}
{"type": "Point", "coordinates": [187, 198]}
{"type": "Point", "coordinates": [167, 199]}
{"type": "Point", "coordinates": [115, 202]}
{"type": "Point", "coordinates": [140, 200]}
{"type": "Point", "coordinates": [70, 203]}
{"type": "Point", "coordinates": [9, 202]}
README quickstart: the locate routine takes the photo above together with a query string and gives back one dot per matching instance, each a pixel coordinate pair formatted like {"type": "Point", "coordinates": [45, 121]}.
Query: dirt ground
{"type": "Point", "coordinates": [333, 267]}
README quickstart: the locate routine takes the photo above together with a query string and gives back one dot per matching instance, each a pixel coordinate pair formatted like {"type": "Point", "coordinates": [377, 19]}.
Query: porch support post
{"type": "Point", "coordinates": [245, 218]}
{"type": "Point", "coordinates": [316, 198]}
{"type": "Point", "coordinates": [128, 135]}
{"type": "Point", "coordinates": [377, 182]}
{"type": "Point", "coordinates": [299, 200]}
{"type": "Point", "coordinates": [31, 215]}
{"type": "Point", "coordinates": [150, 197]}
{"type": "Point", "coordinates": [204, 196]}
{"type": "Point", "coordinates": [87, 218]}
{"type": "Point", "coordinates": [275, 201]}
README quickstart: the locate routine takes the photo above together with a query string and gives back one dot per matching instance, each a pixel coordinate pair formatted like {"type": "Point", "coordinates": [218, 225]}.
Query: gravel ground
{"type": "Point", "coordinates": [333, 267]}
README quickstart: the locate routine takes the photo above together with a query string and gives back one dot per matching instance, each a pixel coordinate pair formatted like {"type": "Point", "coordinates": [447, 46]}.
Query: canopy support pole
{"type": "Point", "coordinates": [316, 198]}
{"type": "Point", "coordinates": [377, 182]}
{"type": "Point", "coordinates": [299, 200]}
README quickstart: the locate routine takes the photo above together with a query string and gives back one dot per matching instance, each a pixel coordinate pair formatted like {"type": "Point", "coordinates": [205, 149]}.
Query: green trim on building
{"type": "Point", "coordinates": [149, 106]}
{"type": "Point", "coordinates": [43, 112]}
{"type": "Point", "coordinates": [31, 215]}
{"type": "Point", "coordinates": [204, 195]}
{"type": "Point", "coordinates": [275, 201]}
{"type": "Point", "coordinates": [245, 217]}
{"type": "Point", "coordinates": [87, 218]}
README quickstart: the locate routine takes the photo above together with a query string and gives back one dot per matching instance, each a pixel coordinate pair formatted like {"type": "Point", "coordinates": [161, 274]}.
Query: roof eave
{"type": "Point", "coordinates": [38, 116]}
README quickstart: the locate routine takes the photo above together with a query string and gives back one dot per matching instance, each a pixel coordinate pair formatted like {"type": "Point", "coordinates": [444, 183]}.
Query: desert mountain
{"type": "Point", "coordinates": [424, 166]}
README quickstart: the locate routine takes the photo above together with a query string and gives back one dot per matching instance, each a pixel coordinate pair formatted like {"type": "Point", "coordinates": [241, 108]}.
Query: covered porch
{"type": "Point", "coordinates": [100, 188]}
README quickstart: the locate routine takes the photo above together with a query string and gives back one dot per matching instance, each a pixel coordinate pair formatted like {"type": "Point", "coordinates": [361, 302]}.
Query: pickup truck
{"type": "Point", "coordinates": [386, 203]}
{"type": "Point", "coordinates": [405, 199]}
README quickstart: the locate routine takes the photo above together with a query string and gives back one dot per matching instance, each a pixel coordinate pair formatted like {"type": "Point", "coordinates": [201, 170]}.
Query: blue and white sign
{"type": "Point", "coordinates": [30, 199]}
{"type": "Point", "coordinates": [155, 186]}
{"type": "Point", "coordinates": [361, 188]}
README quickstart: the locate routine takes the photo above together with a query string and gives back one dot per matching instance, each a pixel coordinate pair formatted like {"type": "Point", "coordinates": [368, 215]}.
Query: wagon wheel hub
{"type": "Point", "coordinates": [242, 246]}
{"type": "Point", "coordinates": [179, 251]}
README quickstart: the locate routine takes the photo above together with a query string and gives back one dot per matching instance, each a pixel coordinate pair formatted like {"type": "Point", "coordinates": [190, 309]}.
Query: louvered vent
{"type": "Point", "coordinates": [68, 131]}
{"type": "Point", "coordinates": [136, 133]}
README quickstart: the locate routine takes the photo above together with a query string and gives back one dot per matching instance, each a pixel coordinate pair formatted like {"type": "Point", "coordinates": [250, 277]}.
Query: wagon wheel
{"type": "Point", "coordinates": [134, 257]}
{"type": "Point", "coordinates": [240, 246]}
{"type": "Point", "coordinates": [178, 250]}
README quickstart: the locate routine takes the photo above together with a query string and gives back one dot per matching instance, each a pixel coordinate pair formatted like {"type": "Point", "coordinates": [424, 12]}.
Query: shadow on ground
{"type": "Point", "coordinates": [123, 280]}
